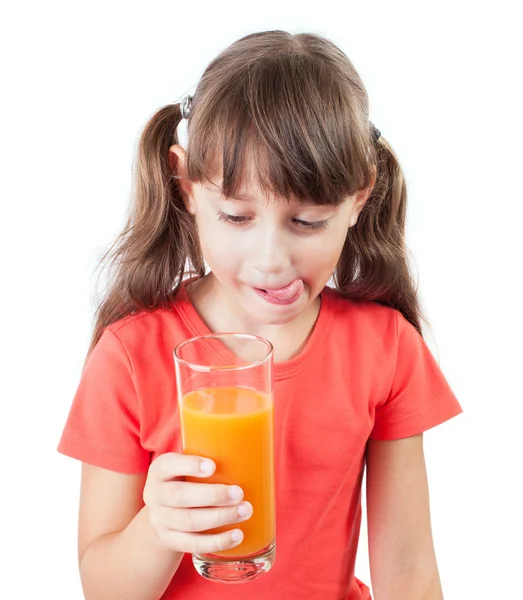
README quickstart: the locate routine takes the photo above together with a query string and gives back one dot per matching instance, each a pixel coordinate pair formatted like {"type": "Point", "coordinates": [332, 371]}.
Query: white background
{"type": "Point", "coordinates": [80, 80]}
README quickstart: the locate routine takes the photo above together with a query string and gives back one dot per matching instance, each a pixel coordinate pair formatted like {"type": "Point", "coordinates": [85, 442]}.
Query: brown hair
{"type": "Point", "coordinates": [297, 106]}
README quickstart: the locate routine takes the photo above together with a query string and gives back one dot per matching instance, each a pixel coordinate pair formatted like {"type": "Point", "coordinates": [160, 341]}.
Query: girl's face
{"type": "Point", "coordinates": [274, 257]}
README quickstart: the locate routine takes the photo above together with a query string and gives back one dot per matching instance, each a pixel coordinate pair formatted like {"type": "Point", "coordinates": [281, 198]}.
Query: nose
{"type": "Point", "coordinates": [273, 252]}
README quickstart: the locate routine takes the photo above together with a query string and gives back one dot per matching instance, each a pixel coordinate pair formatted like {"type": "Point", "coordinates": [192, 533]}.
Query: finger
{"type": "Point", "coordinates": [202, 519]}
{"type": "Point", "coordinates": [204, 543]}
{"type": "Point", "coordinates": [183, 494]}
{"type": "Point", "coordinates": [170, 465]}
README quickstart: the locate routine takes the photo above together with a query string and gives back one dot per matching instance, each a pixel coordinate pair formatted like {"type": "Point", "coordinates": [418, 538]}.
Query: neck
{"type": "Point", "coordinates": [221, 312]}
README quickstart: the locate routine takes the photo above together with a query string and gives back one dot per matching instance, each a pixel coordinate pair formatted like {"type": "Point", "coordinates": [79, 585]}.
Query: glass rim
{"type": "Point", "coordinates": [227, 334]}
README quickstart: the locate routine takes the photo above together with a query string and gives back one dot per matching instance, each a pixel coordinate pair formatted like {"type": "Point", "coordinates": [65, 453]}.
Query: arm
{"type": "Point", "coordinates": [401, 550]}
{"type": "Point", "coordinates": [119, 553]}
{"type": "Point", "coordinates": [134, 529]}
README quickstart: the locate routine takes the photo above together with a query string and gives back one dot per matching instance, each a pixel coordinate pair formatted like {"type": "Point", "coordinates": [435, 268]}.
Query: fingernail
{"type": "Point", "coordinates": [245, 509]}
{"type": "Point", "coordinates": [236, 535]}
{"type": "Point", "coordinates": [235, 492]}
{"type": "Point", "coordinates": [207, 466]}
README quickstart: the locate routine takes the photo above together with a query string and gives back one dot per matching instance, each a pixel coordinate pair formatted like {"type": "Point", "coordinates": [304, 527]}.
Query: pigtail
{"type": "Point", "coordinates": [297, 107]}
{"type": "Point", "coordinates": [147, 261]}
{"type": "Point", "coordinates": [374, 262]}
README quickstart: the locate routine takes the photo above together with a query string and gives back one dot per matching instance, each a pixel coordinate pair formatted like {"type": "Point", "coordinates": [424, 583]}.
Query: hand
{"type": "Point", "coordinates": [179, 510]}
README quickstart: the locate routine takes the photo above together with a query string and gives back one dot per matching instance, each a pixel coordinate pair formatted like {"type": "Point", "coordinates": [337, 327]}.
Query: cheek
{"type": "Point", "coordinates": [337, 237]}
{"type": "Point", "coordinates": [326, 250]}
{"type": "Point", "coordinates": [218, 246]}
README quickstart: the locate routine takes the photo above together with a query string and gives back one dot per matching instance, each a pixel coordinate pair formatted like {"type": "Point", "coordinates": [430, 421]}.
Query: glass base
{"type": "Point", "coordinates": [235, 570]}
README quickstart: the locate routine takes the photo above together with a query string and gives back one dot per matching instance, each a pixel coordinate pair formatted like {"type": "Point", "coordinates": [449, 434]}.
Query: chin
{"type": "Point", "coordinates": [275, 315]}
{"type": "Point", "coordinates": [274, 320]}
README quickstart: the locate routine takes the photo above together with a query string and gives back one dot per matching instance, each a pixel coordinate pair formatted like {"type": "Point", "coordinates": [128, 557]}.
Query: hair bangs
{"type": "Point", "coordinates": [271, 135]}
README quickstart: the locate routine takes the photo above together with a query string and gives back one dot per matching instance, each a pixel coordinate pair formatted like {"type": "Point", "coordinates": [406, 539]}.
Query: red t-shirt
{"type": "Point", "coordinates": [365, 372]}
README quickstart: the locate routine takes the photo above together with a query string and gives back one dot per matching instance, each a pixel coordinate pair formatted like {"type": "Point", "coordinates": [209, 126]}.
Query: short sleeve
{"type": "Point", "coordinates": [103, 426]}
{"type": "Point", "coordinates": [420, 396]}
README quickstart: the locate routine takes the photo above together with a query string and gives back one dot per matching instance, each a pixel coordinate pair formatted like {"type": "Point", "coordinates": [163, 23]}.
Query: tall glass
{"type": "Point", "coordinates": [225, 396]}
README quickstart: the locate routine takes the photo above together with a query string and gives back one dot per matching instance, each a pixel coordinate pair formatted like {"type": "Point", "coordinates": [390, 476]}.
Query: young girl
{"type": "Point", "coordinates": [284, 184]}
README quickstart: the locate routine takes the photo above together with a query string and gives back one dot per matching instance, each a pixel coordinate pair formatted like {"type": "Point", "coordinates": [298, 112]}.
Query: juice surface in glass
{"type": "Point", "coordinates": [234, 427]}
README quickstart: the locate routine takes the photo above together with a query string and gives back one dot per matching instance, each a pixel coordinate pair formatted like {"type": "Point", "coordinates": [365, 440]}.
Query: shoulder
{"type": "Point", "coordinates": [142, 321]}
{"type": "Point", "coordinates": [175, 314]}
{"type": "Point", "coordinates": [367, 320]}
{"type": "Point", "coordinates": [147, 333]}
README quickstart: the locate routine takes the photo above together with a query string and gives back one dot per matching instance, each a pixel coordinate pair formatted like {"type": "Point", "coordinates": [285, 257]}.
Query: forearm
{"type": "Point", "coordinates": [131, 564]}
{"type": "Point", "coordinates": [414, 585]}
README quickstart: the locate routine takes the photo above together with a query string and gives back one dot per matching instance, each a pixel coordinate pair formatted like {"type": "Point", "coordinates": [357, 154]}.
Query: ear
{"type": "Point", "coordinates": [360, 197]}
{"type": "Point", "coordinates": [177, 162]}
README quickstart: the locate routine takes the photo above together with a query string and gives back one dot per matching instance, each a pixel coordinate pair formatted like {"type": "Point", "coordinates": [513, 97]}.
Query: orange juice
{"type": "Point", "coordinates": [234, 427]}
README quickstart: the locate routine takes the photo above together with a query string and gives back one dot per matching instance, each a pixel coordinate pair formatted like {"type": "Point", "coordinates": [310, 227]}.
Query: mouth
{"type": "Point", "coordinates": [284, 295]}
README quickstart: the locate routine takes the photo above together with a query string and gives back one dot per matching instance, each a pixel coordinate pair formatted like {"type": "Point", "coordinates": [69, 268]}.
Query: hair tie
{"type": "Point", "coordinates": [376, 133]}
{"type": "Point", "coordinates": [185, 106]}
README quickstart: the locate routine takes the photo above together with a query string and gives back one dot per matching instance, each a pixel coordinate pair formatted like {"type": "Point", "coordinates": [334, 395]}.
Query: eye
{"type": "Point", "coordinates": [233, 219]}
{"type": "Point", "coordinates": [311, 224]}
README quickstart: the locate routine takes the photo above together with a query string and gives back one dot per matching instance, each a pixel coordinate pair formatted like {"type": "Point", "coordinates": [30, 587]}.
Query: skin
{"type": "Point", "coordinates": [274, 243]}
{"type": "Point", "coordinates": [134, 529]}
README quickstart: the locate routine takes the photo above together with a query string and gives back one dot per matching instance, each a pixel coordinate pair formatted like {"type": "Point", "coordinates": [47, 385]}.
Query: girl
{"type": "Point", "coordinates": [284, 186]}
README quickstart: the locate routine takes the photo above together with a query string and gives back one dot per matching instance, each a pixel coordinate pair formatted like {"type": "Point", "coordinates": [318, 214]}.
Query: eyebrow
{"type": "Point", "coordinates": [240, 196]}
{"type": "Point", "coordinates": [246, 197]}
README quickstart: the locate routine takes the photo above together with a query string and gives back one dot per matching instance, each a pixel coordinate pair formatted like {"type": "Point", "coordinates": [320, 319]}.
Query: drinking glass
{"type": "Point", "coordinates": [226, 407]}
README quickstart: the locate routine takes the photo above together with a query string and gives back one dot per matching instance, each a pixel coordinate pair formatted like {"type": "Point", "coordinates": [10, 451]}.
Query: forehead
{"type": "Point", "coordinates": [254, 177]}
{"type": "Point", "coordinates": [251, 184]}
{"type": "Point", "coordinates": [249, 176]}
{"type": "Point", "coordinates": [253, 194]}
{"type": "Point", "coordinates": [246, 176]}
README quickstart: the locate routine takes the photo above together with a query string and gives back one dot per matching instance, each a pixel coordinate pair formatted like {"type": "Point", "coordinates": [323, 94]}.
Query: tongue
{"type": "Point", "coordinates": [287, 292]}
